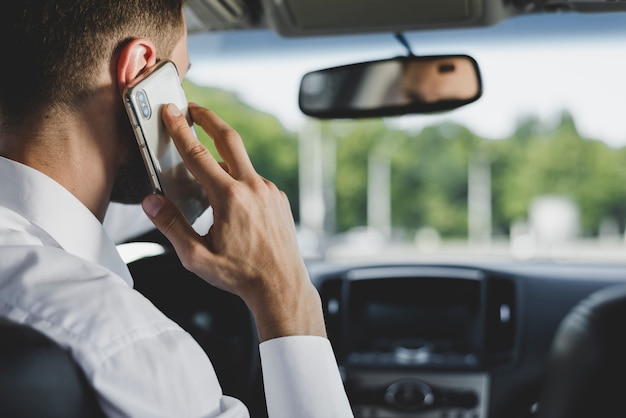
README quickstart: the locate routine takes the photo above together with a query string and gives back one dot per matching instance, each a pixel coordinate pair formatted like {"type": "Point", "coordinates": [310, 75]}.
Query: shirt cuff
{"type": "Point", "coordinates": [302, 379]}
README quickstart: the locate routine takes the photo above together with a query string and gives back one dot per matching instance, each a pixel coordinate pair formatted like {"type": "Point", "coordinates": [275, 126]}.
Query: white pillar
{"type": "Point", "coordinates": [312, 206]}
{"type": "Point", "coordinates": [479, 200]}
{"type": "Point", "coordinates": [379, 192]}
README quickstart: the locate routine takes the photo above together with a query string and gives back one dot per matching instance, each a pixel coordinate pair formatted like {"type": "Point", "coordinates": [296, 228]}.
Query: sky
{"type": "Point", "coordinates": [583, 75]}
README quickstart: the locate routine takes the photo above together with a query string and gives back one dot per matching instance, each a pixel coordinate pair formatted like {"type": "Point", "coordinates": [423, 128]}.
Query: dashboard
{"type": "Point", "coordinates": [449, 341]}
{"type": "Point", "coordinates": [413, 339]}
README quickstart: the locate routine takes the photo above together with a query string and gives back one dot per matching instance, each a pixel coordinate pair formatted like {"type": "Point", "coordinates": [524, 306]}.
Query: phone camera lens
{"type": "Point", "coordinates": [142, 101]}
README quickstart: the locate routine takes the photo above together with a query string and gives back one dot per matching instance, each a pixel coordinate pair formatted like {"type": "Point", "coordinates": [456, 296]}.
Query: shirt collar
{"type": "Point", "coordinates": [51, 207]}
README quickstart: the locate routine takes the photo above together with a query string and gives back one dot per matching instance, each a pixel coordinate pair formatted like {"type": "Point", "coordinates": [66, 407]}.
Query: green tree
{"type": "Point", "coordinates": [429, 168]}
{"type": "Point", "coordinates": [559, 161]}
{"type": "Point", "coordinates": [354, 141]}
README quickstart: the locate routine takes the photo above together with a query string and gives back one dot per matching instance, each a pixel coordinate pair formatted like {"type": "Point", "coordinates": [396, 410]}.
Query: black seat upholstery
{"type": "Point", "coordinates": [40, 379]}
{"type": "Point", "coordinates": [587, 364]}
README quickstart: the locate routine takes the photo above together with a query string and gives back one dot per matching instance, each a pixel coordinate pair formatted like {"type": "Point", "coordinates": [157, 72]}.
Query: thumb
{"type": "Point", "coordinates": [170, 221]}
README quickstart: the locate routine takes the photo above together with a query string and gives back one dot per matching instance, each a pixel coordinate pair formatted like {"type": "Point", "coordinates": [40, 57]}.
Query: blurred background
{"type": "Point", "coordinates": [535, 169]}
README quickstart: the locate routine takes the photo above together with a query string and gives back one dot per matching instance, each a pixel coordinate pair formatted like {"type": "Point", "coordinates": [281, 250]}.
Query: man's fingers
{"type": "Point", "coordinates": [227, 141]}
{"type": "Point", "coordinates": [171, 222]}
{"type": "Point", "coordinates": [197, 158]}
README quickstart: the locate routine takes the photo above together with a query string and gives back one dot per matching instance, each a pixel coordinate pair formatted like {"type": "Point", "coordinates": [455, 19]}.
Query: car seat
{"type": "Point", "coordinates": [587, 362]}
{"type": "Point", "coordinates": [40, 379]}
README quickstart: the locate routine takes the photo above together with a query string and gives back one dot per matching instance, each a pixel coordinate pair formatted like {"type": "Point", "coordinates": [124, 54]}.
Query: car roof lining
{"type": "Point", "coordinates": [303, 18]}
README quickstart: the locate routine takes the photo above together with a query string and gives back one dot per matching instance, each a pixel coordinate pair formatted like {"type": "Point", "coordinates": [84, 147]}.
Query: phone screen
{"type": "Point", "coordinates": [144, 102]}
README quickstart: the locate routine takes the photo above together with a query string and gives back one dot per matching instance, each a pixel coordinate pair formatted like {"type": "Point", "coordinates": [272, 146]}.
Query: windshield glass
{"type": "Point", "coordinates": [535, 169]}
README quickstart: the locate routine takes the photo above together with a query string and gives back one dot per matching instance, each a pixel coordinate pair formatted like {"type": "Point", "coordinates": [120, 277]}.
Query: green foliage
{"type": "Point", "coordinates": [430, 168]}
{"type": "Point", "coordinates": [430, 179]}
{"type": "Point", "coordinates": [559, 161]}
{"type": "Point", "coordinates": [353, 148]}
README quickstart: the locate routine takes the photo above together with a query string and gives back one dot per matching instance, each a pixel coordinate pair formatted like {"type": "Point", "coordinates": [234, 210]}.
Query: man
{"type": "Point", "coordinates": [67, 150]}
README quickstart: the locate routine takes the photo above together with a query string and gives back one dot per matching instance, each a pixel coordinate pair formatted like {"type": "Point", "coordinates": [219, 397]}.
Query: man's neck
{"type": "Point", "coordinates": [76, 154]}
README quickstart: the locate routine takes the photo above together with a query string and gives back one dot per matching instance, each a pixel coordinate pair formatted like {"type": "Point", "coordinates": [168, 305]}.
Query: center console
{"type": "Point", "coordinates": [417, 341]}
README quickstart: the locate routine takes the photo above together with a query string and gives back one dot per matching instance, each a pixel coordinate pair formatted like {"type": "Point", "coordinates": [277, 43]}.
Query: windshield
{"type": "Point", "coordinates": [535, 169]}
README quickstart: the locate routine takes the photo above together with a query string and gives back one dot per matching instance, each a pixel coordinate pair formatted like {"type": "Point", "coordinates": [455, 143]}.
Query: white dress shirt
{"type": "Point", "coordinates": [61, 274]}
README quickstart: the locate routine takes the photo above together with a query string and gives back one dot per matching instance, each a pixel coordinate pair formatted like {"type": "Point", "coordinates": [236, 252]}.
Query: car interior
{"type": "Point", "coordinates": [425, 336]}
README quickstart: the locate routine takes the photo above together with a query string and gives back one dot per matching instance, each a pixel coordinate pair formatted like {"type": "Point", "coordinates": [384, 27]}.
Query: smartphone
{"type": "Point", "coordinates": [144, 100]}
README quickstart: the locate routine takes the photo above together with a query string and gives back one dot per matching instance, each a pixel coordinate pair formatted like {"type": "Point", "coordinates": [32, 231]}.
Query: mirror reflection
{"type": "Point", "coordinates": [391, 87]}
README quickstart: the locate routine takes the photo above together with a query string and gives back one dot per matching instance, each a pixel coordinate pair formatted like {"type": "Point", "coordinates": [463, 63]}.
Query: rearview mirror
{"type": "Point", "coordinates": [391, 87]}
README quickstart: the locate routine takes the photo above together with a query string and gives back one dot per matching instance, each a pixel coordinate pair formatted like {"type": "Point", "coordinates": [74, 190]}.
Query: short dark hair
{"type": "Point", "coordinates": [53, 48]}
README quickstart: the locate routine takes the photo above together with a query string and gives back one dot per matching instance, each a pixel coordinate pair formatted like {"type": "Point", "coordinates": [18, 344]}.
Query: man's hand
{"type": "Point", "coordinates": [251, 250]}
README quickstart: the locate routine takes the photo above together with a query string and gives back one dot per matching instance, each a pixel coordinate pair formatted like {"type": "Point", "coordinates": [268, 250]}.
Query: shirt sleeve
{"type": "Point", "coordinates": [302, 379]}
{"type": "Point", "coordinates": [164, 376]}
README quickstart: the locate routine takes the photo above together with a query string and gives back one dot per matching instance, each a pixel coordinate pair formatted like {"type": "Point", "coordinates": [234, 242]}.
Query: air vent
{"type": "Point", "coordinates": [203, 15]}
{"type": "Point", "coordinates": [501, 311]}
{"type": "Point", "coordinates": [332, 301]}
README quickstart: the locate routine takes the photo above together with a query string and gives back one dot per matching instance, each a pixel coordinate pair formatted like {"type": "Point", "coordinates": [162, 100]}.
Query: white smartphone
{"type": "Point", "coordinates": [144, 100]}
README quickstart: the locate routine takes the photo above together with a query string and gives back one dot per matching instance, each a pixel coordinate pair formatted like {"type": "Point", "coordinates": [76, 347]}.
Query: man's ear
{"type": "Point", "coordinates": [134, 58]}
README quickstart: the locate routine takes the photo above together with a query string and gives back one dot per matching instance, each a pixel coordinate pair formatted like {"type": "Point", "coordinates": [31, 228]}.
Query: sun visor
{"type": "Point", "coordinates": [321, 17]}
{"type": "Point", "coordinates": [208, 15]}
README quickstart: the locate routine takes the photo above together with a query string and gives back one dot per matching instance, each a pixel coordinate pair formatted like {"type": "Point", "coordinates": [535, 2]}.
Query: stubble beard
{"type": "Point", "coordinates": [131, 183]}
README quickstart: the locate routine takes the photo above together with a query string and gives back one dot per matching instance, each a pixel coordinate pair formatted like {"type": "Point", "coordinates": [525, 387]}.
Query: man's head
{"type": "Point", "coordinates": [56, 48]}
{"type": "Point", "coordinates": [72, 58]}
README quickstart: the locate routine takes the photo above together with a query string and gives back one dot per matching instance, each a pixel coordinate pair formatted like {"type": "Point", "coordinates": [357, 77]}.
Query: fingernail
{"type": "Point", "coordinates": [152, 205]}
{"type": "Point", "coordinates": [173, 110]}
